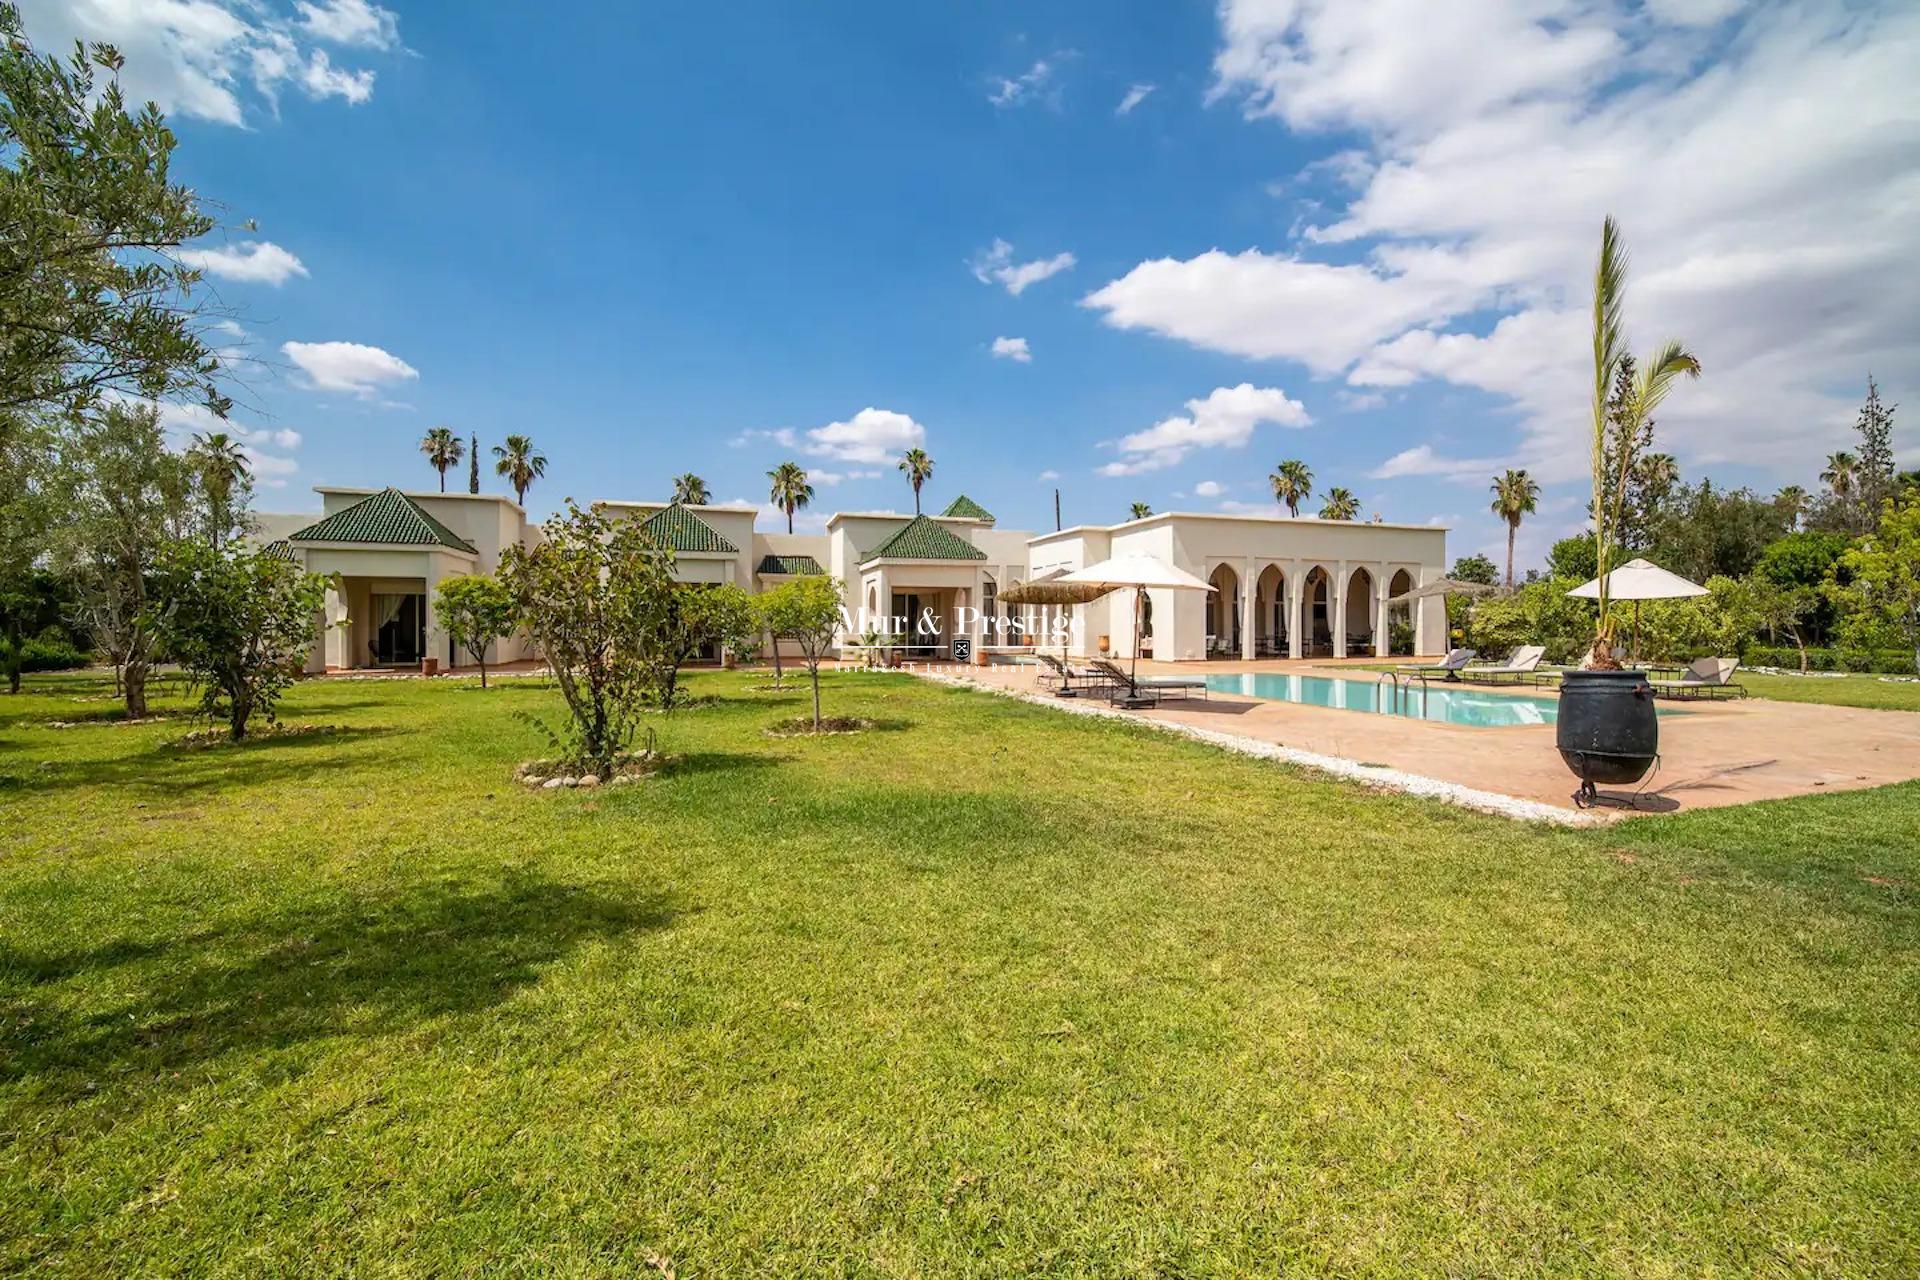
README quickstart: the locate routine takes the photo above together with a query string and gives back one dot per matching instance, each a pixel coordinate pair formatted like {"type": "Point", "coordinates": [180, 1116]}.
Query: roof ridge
{"type": "Point", "coordinates": [681, 529]}
{"type": "Point", "coordinates": [924, 538]}
{"type": "Point", "coordinates": [389, 517]}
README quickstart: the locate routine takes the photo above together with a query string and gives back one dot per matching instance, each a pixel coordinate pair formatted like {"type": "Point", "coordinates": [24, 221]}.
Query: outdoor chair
{"type": "Point", "coordinates": [1703, 678]}
{"type": "Point", "coordinates": [1145, 689]}
{"type": "Point", "coordinates": [1519, 666]}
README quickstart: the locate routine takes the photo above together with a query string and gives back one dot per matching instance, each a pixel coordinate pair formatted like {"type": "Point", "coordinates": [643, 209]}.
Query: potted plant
{"type": "Point", "coordinates": [1607, 731]}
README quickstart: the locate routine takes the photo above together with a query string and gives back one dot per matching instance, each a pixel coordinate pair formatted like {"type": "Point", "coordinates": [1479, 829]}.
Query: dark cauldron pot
{"type": "Point", "coordinates": [1607, 731]}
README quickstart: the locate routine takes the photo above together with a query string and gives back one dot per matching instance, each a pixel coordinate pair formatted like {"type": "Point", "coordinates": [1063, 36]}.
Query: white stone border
{"type": "Point", "coordinates": [1384, 779]}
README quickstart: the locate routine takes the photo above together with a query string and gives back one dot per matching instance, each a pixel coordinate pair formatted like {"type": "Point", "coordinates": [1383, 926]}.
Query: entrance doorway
{"type": "Point", "coordinates": [399, 628]}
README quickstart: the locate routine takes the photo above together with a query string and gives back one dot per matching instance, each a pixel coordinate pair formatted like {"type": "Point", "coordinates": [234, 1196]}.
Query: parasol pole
{"type": "Point", "coordinates": [1139, 603]}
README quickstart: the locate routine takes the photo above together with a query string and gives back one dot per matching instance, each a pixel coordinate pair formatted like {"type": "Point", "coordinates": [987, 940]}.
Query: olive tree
{"type": "Point", "coordinates": [591, 595]}
{"type": "Point", "coordinates": [240, 621]}
{"type": "Point", "coordinates": [476, 610]}
{"type": "Point", "coordinates": [806, 611]}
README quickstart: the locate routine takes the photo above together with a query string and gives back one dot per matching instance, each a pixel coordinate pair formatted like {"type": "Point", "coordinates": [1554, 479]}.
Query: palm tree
{"type": "Point", "coordinates": [1292, 484]}
{"type": "Point", "coordinates": [443, 450]}
{"type": "Point", "coordinates": [1515, 496]}
{"type": "Point", "coordinates": [1139, 511]}
{"type": "Point", "coordinates": [222, 466]}
{"type": "Point", "coordinates": [520, 463]}
{"type": "Point", "coordinates": [1340, 505]}
{"type": "Point", "coordinates": [919, 469]}
{"type": "Point", "coordinates": [1843, 469]}
{"type": "Point", "coordinates": [790, 492]}
{"type": "Point", "coordinates": [691, 489]}
{"type": "Point", "coordinates": [1628, 416]}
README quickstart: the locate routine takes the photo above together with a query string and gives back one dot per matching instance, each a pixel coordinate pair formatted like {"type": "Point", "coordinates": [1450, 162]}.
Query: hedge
{"type": "Point", "coordinates": [1886, 661]}
{"type": "Point", "coordinates": [51, 655]}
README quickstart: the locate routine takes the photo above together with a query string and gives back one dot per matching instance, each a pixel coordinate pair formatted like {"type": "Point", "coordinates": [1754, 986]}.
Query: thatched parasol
{"type": "Point", "coordinates": [1050, 591]}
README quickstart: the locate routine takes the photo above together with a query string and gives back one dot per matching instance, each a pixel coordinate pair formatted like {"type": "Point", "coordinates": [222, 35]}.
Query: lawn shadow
{"type": "Point", "coordinates": [697, 762]}
{"type": "Point", "coordinates": [172, 768]}
{"type": "Point", "coordinates": [352, 966]}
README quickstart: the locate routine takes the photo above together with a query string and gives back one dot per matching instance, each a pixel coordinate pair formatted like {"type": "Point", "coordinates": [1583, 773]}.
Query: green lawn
{"type": "Point", "coordinates": [1839, 691]}
{"type": "Point", "coordinates": [988, 990]}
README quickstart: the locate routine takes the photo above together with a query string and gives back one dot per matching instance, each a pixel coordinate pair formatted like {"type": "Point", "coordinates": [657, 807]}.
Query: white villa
{"type": "Point", "coordinates": [1283, 588]}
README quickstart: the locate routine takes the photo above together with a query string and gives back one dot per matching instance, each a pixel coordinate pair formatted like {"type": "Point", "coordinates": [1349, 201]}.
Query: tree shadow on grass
{"type": "Point", "coordinates": [353, 966]}
{"type": "Point", "coordinates": [172, 769]}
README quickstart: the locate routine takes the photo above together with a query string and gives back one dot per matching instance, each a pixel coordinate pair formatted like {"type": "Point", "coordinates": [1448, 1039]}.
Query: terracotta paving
{"type": "Point", "coordinates": [1711, 754]}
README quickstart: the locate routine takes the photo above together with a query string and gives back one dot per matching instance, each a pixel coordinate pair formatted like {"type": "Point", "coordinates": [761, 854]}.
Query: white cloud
{"type": "Point", "coordinates": [348, 366]}
{"type": "Point", "coordinates": [785, 437]}
{"type": "Point", "coordinates": [1048, 474]}
{"type": "Point", "coordinates": [871, 435]}
{"type": "Point", "coordinates": [1209, 489]}
{"type": "Point", "coordinates": [1267, 305]}
{"type": "Point", "coordinates": [1773, 221]}
{"type": "Point", "coordinates": [1225, 417]}
{"type": "Point", "coordinates": [257, 262]}
{"type": "Point", "coordinates": [995, 264]}
{"type": "Point", "coordinates": [1033, 83]}
{"type": "Point", "coordinates": [353, 22]}
{"type": "Point", "coordinates": [832, 478]}
{"type": "Point", "coordinates": [1014, 349]}
{"type": "Point", "coordinates": [1421, 460]}
{"type": "Point", "coordinates": [1135, 95]}
{"type": "Point", "coordinates": [196, 57]}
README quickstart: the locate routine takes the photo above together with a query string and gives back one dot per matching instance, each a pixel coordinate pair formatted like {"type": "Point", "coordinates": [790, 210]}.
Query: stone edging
{"type": "Point", "coordinates": [1384, 779]}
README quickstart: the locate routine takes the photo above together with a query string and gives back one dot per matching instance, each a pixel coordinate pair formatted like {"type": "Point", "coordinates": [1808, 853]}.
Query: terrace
{"type": "Point", "coordinates": [1712, 754]}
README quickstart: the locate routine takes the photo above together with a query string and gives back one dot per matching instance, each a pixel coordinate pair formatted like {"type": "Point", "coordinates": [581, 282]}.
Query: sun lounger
{"type": "Point", "coordinates": [1703, 678]}
{"type": "Point", "coordinates": [1144, 689]}
{"type": "Point", "coordinates": [1067, 681]}
{"type": "Point", "coordinates": [1520, 665]}
{"type": "Point", "coordinates": [1448, 666]}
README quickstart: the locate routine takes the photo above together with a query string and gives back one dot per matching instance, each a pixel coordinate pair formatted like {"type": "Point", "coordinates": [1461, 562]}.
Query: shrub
{"type": "Point", "coordinates": [50, 654]}
{"type": "Point", "coordinates": [476, 610]}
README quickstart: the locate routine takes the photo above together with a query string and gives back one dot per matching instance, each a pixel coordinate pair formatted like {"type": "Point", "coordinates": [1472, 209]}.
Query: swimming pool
{"type": "Point", "coordinates": [1446, 703]}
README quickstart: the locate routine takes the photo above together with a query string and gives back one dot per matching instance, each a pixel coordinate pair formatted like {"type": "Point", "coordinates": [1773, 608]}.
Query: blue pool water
{"type": "Point", "coordinates": [1449, 704]}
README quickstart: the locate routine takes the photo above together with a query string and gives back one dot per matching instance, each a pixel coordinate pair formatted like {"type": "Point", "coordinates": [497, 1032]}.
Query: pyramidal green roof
{"type": "Point", "coordinates": [388, 518]}
{"type": "Point", "coordinates": [679, 528]}
{"type": "Point", "coordinates": [794, 566]}
{"type": "Point", "coordinates": [967, 508]}
{"type": "Point", "coordinates": [923, 539]}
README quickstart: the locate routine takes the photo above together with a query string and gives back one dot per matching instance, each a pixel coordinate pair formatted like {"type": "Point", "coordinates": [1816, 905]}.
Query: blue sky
{"type": "Point", "coordinates": [681, 238]}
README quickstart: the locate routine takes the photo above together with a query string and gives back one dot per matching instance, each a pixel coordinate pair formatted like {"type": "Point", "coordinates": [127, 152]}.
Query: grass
{"type": "Point", "coordinates": [988, 990]}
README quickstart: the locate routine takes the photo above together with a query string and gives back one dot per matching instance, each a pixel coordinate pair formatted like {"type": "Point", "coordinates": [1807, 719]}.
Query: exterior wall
{"type": "Point", "coordinates": [1244, 551]}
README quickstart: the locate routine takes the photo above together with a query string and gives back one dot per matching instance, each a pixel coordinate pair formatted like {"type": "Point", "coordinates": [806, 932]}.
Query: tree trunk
{"type": "Point", "coordinates": [778, 675]}
{"type": "Point", "coordinates": [483, 670]}
{"type": "Point", "coordinates": [135, 687]}
{"type": "Point", "coordinates": [814, 671]}
{"type": "Point", "coordinates": [1511, 530]}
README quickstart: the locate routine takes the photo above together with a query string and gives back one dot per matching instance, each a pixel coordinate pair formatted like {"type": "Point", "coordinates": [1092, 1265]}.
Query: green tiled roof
{"type": "Point", "coordinates": [796, 566]}
{"type": "Point", "coordinates": [922, 539]}
{"type": "Point", "coordinates": [387, 518]}
{"type": "Point", "coordinates": [679, 528]}
{"type": "Point", "coordinates": [967, 508]}
{"type": "Point", "coordinates": [281, 549]}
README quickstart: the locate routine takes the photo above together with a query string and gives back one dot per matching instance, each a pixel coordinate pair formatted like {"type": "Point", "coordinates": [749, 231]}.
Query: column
{"type": "Point", "coordinates": [1295, 589]}
{"type": "Point", "coordinates": [1382, 638]}
{"type": "Point", "coordinates": [977, 629]}
{"type": "Point", "coordinates": [436, 643]}
{"type": "Point", "coordinates": [1249, 589]}
{"type": "Point", "coordinates": [1337, 610]}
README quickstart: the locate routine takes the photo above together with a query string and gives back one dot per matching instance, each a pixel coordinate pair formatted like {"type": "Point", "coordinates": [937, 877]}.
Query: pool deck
{"type": "Point", "coordinates": [1717, 753]}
